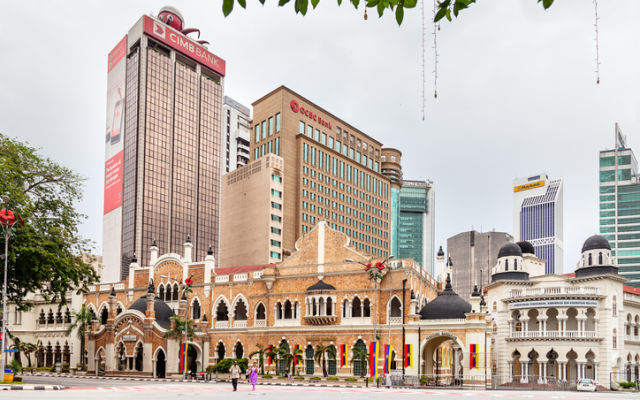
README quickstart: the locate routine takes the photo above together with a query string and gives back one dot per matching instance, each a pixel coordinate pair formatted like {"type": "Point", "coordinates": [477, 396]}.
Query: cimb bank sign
{"type": "Point", "coordinates": [554, 303]}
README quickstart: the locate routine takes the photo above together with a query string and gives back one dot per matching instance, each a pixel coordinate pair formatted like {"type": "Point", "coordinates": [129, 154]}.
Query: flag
{"type": "Point", "coordinates": [344, 355]}
{"type": "Point", "coordinates": [388, 352]}
{"type": "Point", "coordinates": [295, 359]}
{"type": "Point", "coordinates": [373, 359]}
{"type": "Point", "coordinates": [473, 356]}
{"type": "Point", "coordinates": [269, 355]}
{"type": "Point", "coordinates": [408, 355]}
{"type": "Point", "coordinates": [183, 357]}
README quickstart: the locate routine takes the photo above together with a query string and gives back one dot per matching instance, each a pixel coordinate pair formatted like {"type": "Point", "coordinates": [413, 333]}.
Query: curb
{"type": "Point", "coordinates": [31, 387]}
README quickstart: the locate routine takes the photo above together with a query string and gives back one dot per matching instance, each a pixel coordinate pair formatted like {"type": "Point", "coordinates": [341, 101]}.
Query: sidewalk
{"type": "Point", "coordinates": [31, 387]}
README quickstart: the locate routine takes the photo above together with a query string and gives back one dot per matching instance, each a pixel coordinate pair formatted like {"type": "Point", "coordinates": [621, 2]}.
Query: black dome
{"type": "Point", "coordinates": [526, 247]}
{"type": "Point", "coordinates": [440, 252]}
{"type": "Point", "coordinates": [448, 305]}
{"type": "Point", "coordinates": [320, 285]}
{"type": "Point", "coordinates": [162, 310]}
{"type": "Point", "coordinates": [510, 249]}
{"type": "Point", "coordinates": [596, 242]}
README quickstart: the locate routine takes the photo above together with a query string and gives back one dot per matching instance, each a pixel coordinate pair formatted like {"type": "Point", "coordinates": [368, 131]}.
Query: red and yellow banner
{"type": "Point", "coordinates": [473, 356]}
{"type": "Point", "coordinates": [374, 349]}
{"type": "Point", "coordinates": [183, 357]}
{"type": "Point", "coordinates": [344, 355]}
{"type": "Point", "coordinates": [408, 356]}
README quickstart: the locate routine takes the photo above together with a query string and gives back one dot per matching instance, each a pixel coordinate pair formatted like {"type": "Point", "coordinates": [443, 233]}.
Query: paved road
{"type": "Point", "coordinates": [80, 389]}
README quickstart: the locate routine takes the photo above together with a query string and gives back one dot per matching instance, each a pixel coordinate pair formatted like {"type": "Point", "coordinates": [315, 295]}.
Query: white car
{"type": "Point", "coordinates": [587, 385]}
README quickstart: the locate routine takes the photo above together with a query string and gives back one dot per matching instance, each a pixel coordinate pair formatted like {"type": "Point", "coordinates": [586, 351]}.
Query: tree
{"type": "Point", "coordinates": [82, 322]}
{"type": "Point", "coordinates": [46, 255]}
{"type": "Point", "coordinates": [17, 345]}
{"type": "Point", "coordinates": [29, 348]}
{"type": "Point", "coordinates": [445, 8]}
{"type": "Point", "coordinates": [261, 352]}
{"type": "Point", "coordinates": [177, 329]}
{"type": "Point", "coordinates": [292, 357]}
{"type": "Point", "coordinates": [321, 354]}
{"type": "Point", "coordinates": [273, 352]}
{"type": "Point", "coordinates": [361, 356]}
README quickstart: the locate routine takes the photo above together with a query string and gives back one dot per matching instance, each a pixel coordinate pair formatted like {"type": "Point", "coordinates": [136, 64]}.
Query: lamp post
{"type": "Point", "coordinates": [7, 221]}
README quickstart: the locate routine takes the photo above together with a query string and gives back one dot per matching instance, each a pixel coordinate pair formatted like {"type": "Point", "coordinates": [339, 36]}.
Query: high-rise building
{"type": "Point", "coordinates": [470, 256]}
{"type": "Point", "coordinates": [538, 218]}
{"type": "Point", "coordinates": [620, 206]}
{"type": "Point", "coordinates": [251, 225]}
{"type": "Point", "coordinates": [332, 171]}
{"type": "Point", "coordinates": [162, 171]}
{"type": "Point", "coordinates": [415, 224]}
{"type": "Point", "coordinates": [236, 129]}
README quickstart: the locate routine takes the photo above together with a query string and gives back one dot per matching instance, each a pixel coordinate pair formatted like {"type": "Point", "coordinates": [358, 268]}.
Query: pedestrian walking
{"type": "Point", "coordinates": [235, 375]}
{"type": "Point", "coordinates": [253, 376]}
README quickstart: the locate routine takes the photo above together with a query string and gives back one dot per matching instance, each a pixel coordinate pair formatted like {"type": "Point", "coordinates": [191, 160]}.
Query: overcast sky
{"type": "Point", "coordinates": [517, 91]}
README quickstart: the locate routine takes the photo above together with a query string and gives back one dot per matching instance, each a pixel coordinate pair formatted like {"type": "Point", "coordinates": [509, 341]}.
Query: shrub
{"type": "Point", "coordinates": [332, 378]}
{"type": "Point", "coordinates": [282, 377]}
{"type": "Point", "coordinates": [315, 378]}
{"type": "Point", "coordinates": [627, 385]}
{"type": "Point", "coordinates": [210, 369]}
{"type": "Point", "coordinates": [16, 365]}
{"type": "Point", "coordinates": [223, 366]}
{"type": "Point", "coordinates": [267, 376]}
{"type": "Point", "coordinates": [423, 380]}
{"type": "Point", "coordinates": [351, 379]}
{"type": "Point", "coordinates": [299, 378]}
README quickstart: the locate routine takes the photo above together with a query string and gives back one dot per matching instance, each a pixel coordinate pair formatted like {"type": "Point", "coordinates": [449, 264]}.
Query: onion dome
{"type": "Point", "coordinates": [151, 288]}
{"type": "Point", "coordinates": [320, 286]}
{"type": "Point", "coordinates": [526, 247]}
{"type": "Point", "coordinates": [475, 293]}
{"type": "Point", "coordinates": [596, 242]}
{"type": "Point", "coordinates": [210, 251]}
{"type": "Point", "coordinates": [449, 262]}
{"type": "Point", "coordinates": [440, 252]}
{"type": "Point", "coordinates": [113, 291]}
{"type": "Point", "coordinates": [510, 249]}
{"type": "Point", "coordinates": [448, 305]}
{"type": "Point", "coordinates": [134, 259]}
{"type": "Point", "coordinates": [160, 308]}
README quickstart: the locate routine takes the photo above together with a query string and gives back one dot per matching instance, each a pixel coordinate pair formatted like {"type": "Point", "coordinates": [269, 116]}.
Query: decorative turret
{"type": "Point", "coordinates": [153, 250]}
{"type": "Point", "coordinates": [448, 305]}
{"type": "Point", "coordinates": [475, 299]}
{"type": "Point", "coordinates": [132, 267]}
{"type": "Point", "coordinates": [188, 248]}
{"type": "Point", "coordinates": [596, 258]}
{"type": "Point", "coordinates": [510, 264]}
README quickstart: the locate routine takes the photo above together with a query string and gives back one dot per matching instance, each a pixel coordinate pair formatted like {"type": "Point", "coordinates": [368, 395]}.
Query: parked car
{"type": "Point", "coordinates": [587, 385]}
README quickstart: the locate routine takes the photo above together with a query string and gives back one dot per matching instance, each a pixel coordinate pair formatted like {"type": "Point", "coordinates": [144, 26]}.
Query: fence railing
{"type": "Point", "coordinates": [560, 334]}
{"type": "Point", "coordinates": [553, 290]}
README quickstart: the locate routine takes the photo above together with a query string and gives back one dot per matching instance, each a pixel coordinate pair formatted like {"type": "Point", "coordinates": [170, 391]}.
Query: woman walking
{"type": "Point", "coordinates": [253, 377]}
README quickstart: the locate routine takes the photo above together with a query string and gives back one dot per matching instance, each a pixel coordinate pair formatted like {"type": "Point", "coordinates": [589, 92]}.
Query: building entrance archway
{"type": "Point", "coordinates": [442, 359]}
{"type": "Point", "coordinates": [161, 364]}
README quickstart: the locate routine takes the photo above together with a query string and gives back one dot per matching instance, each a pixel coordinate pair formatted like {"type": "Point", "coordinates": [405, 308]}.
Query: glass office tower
{"type": "Point", "coordinates": [620, 206]}
{"type": "Point", "coordinates": [415, 227]}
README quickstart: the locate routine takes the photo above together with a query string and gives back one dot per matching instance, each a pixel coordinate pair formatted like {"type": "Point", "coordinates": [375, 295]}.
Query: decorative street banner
{"type": "Point", "coordinates": [344, 355]}
{"type": "Point", "coordinates": [554, 303]}
{"type": "Point", "coordinates": [374, 350]}
{"type": "Point", "coordinates": [295, 359]}
{"type": "Point", "coordinates": [408, 358]}
{"type": "Point", "coordinates": [183, 358]}
{"type": "Point", "coordinates": [388, 352]}
{"type": "Point", "coordinates": [473, 356]}
{"type": "Point", "coordinates": [269, 349]}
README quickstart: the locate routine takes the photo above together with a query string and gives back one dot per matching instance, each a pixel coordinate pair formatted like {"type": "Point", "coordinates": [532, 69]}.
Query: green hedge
{"type": "Point", "coordinates": [315, 378]}
{"type": "Point", "coordinates": [267, 376]}
{"type": "Point", "coordinates": [350, 379]}
{"type": "Point", "coordinates": [332, 378]}
{"type": "Point", "coordinates": [299, 378]}
{"type": "Point", "coordinates": [224, 366]}
{"type": "Point", "coordinates": [627, 385]}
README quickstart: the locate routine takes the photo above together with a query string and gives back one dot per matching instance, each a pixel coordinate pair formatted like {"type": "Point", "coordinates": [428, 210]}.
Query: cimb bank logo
{"type": "Point", "coordinates": [294, 106]}
{"type": "Point", "coordinates": [159, 30]}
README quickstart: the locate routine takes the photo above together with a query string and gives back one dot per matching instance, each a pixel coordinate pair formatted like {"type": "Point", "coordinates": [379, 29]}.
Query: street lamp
{"type": "Point", "coordinates": [375, 273]}
{"type": "Point", "coordinates": [7, 222]}
{"type": "Point", "coordinates": [186, 287]}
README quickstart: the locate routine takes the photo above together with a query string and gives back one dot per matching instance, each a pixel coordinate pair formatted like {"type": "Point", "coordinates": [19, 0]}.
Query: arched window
{"type": "Point", "coordinates": [59, 317]}
{"type": "Point", "coordinates": [600, 259]}
{"type": "Point", "coordinates": [161, 292]}
{"type": "Point", "coordinates": [506, 265]}
{"type": "Point", "coordinates": [309, 361]}
{"type": "Point", "coordinates": [615, 338]}
{"type": "Point", "coordinates": [195, 309]}
{"type": "Point", "coordinates": [50, 318]}
{"type": "Point", "coordinates": [356, 307]}
{"type": "Point", "coordinates": [67, 316]}
{"type": "Point", "coordinates": [287, 310]}
{"type": "Point", "coordinates": [329, 306]}
{"type": "Point", "coordinates": [515, 265]}
{"type": "Point", "coordinates": [278, 310]}
{"type": "Point", "coordinates": [261, 312]}
{"type": "Point", "coordinates": [104, 315]}
{"type": "Point", "coordinates": [495, 306]}
{"type": "Point", "coordinates": [138, 360]}
{"type": "Point", "coordinates": [220, 351]}
{"type": "Point", "coordinates": [43, 318]}
{"type": "Point", "coordinates": [590, 259]}
{"type": "Point", "coordinates": [395, 308]}
{"type": "Point", "coordinates": [366, 308]}
{"type": "Point", "coordinates": [295, 310]}
{"type": "Point", "coordinates": [239, 350]}
{"type": "Point", "coordinates": [175, 291]}
{"type": "Point", "coordinates": [118, 310]}
{"type": "Point", "coordinates": [240, 312]}
{"type": "Point", "coordinates": [313, 307]}
{"type": "Point", "coordinates": [320, 306]}
{"type": "Point", "coordinates": [345, 304]}
{"type": "Point", "coordinates": [167, 295]}
{"type": "Point", "coordinates": [357, 364]}
{"type": "Point", "coordinates": [222, 312]}
{"type": "Point", "coordinates": [614, 307]}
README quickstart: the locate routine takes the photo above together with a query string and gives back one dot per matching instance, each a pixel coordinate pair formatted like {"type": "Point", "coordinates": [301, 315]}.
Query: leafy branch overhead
{"type": "Point", "coordinates": [444, 9]}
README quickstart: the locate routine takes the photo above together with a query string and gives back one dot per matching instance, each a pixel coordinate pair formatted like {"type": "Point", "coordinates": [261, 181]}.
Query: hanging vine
{"type": "Point", "coordinates": [595, 4]}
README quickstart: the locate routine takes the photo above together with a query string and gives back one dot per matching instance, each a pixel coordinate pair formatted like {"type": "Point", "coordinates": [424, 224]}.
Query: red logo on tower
{"type": "Point", "coordinates": [158, 30]}
{"type": "Point", "coordinates": [294, 106]}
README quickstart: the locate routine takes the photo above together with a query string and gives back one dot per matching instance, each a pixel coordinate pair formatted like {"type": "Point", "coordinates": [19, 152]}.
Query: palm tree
{"type": "Point", "coordinates": [290, 356]}
{"type": "Point", "coordinates": [273, 352]}
{"type": "Point", "coordinates": [261, 352]}
{"type": "Point", "coordinates": [17, 345]}
{"type": "Point", "coordinates": [29, 348]}
{"type": "Point", "coordinates": [82, 322]}
{"type": "Point", "coordinates": [321, 356]}
{"type": "Point", "coordinates": [361, 356]}
{"type": "Point", "coordinates": [177, 328]}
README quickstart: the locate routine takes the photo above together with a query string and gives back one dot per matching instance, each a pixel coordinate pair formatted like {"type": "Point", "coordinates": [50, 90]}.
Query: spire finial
{"type": "Point", "coordinates": [151, 288]}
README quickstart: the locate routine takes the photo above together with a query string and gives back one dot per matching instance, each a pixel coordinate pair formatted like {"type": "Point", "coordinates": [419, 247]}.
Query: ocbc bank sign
{"type": "Point", "coordinates": [295, 107]}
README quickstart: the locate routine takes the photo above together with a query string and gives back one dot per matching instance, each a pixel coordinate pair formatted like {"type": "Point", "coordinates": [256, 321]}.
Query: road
{"type": "Point", "coordinates": [80, 389]}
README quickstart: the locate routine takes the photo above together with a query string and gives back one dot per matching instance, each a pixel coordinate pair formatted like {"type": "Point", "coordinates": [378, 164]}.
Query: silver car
{"type": "Point", "coordinates": [587, 385]}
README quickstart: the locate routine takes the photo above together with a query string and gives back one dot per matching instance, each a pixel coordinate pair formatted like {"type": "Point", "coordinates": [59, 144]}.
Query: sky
{"type": "Point", "coordinates": [517, 92]}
